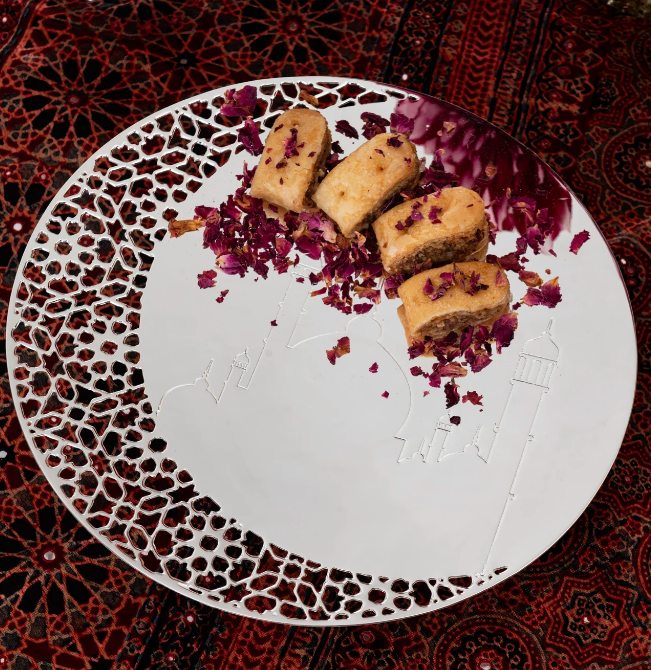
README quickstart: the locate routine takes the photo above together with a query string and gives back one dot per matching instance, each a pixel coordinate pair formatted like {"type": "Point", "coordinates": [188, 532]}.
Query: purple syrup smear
{"type": "Point", "coordinates": [475, 145]}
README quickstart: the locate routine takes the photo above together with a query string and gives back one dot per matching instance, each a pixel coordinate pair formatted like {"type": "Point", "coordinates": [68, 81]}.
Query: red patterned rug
{"type": "Point", "coordinates": [569, 78]}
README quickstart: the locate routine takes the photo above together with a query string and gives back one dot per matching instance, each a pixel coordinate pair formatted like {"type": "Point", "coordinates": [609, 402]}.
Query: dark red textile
{"type": "Point", "coordinates": [569, 78]}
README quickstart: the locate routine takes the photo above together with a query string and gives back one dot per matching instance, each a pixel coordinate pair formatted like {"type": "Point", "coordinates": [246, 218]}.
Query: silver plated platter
{"type": "Point", "coordinates": [228, 460]}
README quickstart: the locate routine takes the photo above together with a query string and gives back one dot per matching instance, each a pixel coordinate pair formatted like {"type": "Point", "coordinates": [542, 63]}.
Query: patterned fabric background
{"type": "Point", "coordinates": [569, 78]}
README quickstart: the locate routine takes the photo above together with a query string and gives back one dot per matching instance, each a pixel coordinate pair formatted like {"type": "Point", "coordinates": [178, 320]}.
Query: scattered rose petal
{"type": "Point", "coordinates": [222, 295]}
{"type": "Point", "coordinates": [249, 136]}
{"type": "Point", "coordinates": [290, 144]}
{"type": "Point", "coordinates": [373, 368]}
{"type": "Point", "coordinates": [548, 295]}
{"type": "Point", "coordinates": [373, 125]}
{"type": "Point", "coordinates": [578, 241]}
{"type": "Point", "coordinates": [391, 285]}
{"type": "Point", "coordinates": [425, 393]}
{"type": "Point", "coordinates": [473, 397]}
{"type": "Point", "coordinates": [178, 228]}
{"type": "Point", "coordinates": [274, 323]}
{"type": "Point", "coordinates": [503, 330]}
{"type": "Point", "coordinates": [456, 420]}
{"type": "Point", "coordinates": [340, 349]}
{"type": "Point", "coordinates": [500, 279]}
{"type": "Point", "coordinates": [385, 394]}
{"type": "Point", "coordinates": [416, 370]}
{"type": "Point", "coordinates": [206, 279]}
{"type": "Point", "coordinates": [346, 129]}
{"type": "Point", "coordinates": [394, 142]}
{"type": "Point", "coordinates": [239, 103]}
{"type": "Point", "coordinates": [451, 394]}
{"type": "Point", "coordinates": [401, 124]}
{"type": "Point", "coordinates": [362, 308]}
{"type": "Point", "coordinates": [530, 278]}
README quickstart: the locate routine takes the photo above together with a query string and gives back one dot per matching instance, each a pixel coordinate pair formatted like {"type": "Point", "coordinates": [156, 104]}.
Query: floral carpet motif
{"type": "Point", "coordinates": [570, 79]}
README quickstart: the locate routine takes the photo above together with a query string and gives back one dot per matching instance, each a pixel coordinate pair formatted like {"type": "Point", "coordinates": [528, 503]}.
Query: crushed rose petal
{"type": "Point", "coordinates": [473, 397]}
{"type": "Point", "coordinates": [274, 323]}
{"type": "Point", "coordinates": [239, 103]}
{"type": "Point", "coordinates": [456, 420]}
{"type": "Point", "coordinates": [206, 279]}
{"type": "Point", "coordinates": [222, 295]}
{"type": "Point", "coordinates": [578, 241]}
{"type": "Point", "coordinates": [249, 136]}
{"type": "Point", "coordinates": [451, 394]}
{"type": "Point", "coordinates": [178, 228]}
{"type": "Point", "coordinates": [425, 393]}
{"type": "Point", "coordinates": [340, 349]}
{"type": "Point", "coordinates": [373, 125]}
{"type": "Point", "coordinates": [346, 129]}
{"type": "Point", "coordinates": [530, 278]}
{"type": "Point", "coordinates": [548, 295]}
{"type": "Point", "coordinates": [373, 368]}
{"type": "Point", "coordinates": [290, 144]}
{"type": "Point", "coordinates": [401, 124]}
{"type": "Point", "coordinates": [500, 279]}
{"type": "Point", "coordinates": [385, 394]}
{"type": "Point", "coordinates": [394, 142]}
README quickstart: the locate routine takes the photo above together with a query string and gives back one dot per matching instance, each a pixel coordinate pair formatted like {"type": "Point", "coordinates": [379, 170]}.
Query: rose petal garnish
{"type": "Point", "coordinates": [453, 370]}
{"type": "Point", "coordinates": [503, 330]}
{"type": "Point", "coordinates": [239, 103]}
{"type": "Point", "coordinates": [394, 142]}
{"type": "Point", "coordinates": [373, 125]}
{"type": "Point", "coordinates": [391, 285]}
{"type": "Point", "coordinates": [340, 349]}
{"type": "Point", "coordinates": [249, 136]}
{"type": "Point", "coordinates": [549, 294]}
{"type": "Point", "coordinates": [373, 368]}
{"type": "Point", "coordinates": [385, 394]}
{"type": "Point", "coordinates": [416, 349]}
{"type": "Point", "coordinates": [346, 129]}
{"type": "Point", "coordinates": [578, 241]}
{"type": "Point", "coordinates": [230, 264]}
{"type": "Point", "coordinates": [290, 144]}
{"type": "Point", "coordinates": [206, 279]}
{"type": "Point", "coordinates": [178, 228]}
{"type": "Point", "coordinates": [416, 371]}
{"type": "Point", "coordinates": [530, 278]}
{"type": "Point", "coordinates": [500, 279]}
{"type": "Point", "coordinates": [451, 394]}
{"type": "Point", "coordinates": [456, 420]}
{"type": "Point", "coordinates": [401, 124]}
{"type": "Point", "coordinates": [473, 397]}
{"type": "Point", "coordinates": [362, 308]}
{"type": "Point", "coordinates": [425, 393]}
{"type": "Point", "coordinates": [274, 322]}
{"type": "Point", "coordinates": [478, 360]}
{"type": "Point", "coordinates": [222, 295]}
{"type": "Point", "coordinates": [379, 151]}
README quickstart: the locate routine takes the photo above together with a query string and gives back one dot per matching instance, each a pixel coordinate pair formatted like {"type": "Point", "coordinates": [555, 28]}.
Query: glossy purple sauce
{"type": "Point", "coordinates": [473, 146]}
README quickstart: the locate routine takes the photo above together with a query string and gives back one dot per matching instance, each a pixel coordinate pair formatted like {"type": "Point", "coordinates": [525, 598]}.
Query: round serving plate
{"type": "Point", "coordinates": [224, 456]}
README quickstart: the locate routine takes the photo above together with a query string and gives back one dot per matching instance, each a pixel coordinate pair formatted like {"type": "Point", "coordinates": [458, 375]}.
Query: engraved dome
{"type": "Point", "coordinates": [542, 347]}
{"type": "Point", "coordinates": [241, 360]}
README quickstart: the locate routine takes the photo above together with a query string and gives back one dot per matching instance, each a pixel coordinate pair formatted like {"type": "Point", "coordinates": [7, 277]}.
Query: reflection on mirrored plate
{"type": "Point", "coordinates": [225, 457]}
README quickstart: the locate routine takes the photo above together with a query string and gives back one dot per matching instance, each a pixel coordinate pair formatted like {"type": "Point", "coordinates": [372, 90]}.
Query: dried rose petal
{"type": "Point", "coordinates": [451, 394]}
{"type": "Point", "coordinates": [478, 360]}
{"type": "Point", "coordinates": [453, 370]}
{"type": "Point", "coordinates": [416, 371]}
{"type": "Point", "coordinates": [230, 264]}
{"type": "Point", "coordinates": [249, 136]}
{"type": "Point", "coordinates": [206, 279]}
{"type": "Point", "coordinates": [274, 323]}
{"type": "Point", "coordinates": [222, 295]}
{"type": "Point", "coordinates": [290, 144]}
{"type": "Point", "coordinates": [473, 397]}
{"type": "Point", "coordinates": [373, 125]}
{"type": "Point", "coordinates": [394, 142]}
{"type": "Point", "coordinates": [401, 124]}
{"type": "Point", "coordinates": [578, 241]}
{"type": "Point", "coordinates": [362, 308]}
{"type": "Point", "coordinates": [379, 151]}
{"type": "Point", "coordinates": [500, 279]}
{"type": "Point", "coordinates": [503, 330]}
{"type": "Point", "coordinates": [178, 228]}
{"type": "Point", "coordinates": [239, 103]}
{"type": "Point", "coordinates": [456, 420]}
{"type": "Point", "coordinates": [340, 349]}
{"type": "Point", "coordinates": [346, 129]}
{"type": "Point", "coordinates": [530, 278]}
{"type": "Point", "coordinates": [373, 368]}
{"type": "Point", "coordinates": [425, 393]}
{"type": "Point", "coordinates": [416, 349]}
{"type": "Point", "coordinates": [385, 394]}
{"type": "Point", "coordinates": [391, 285]}
{"type": "Point", "coordinates": [549, 294]}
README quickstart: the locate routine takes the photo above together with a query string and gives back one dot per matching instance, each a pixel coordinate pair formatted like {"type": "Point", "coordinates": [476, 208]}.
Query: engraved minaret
{"type": "Point", "coordinates": [529, 384]}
